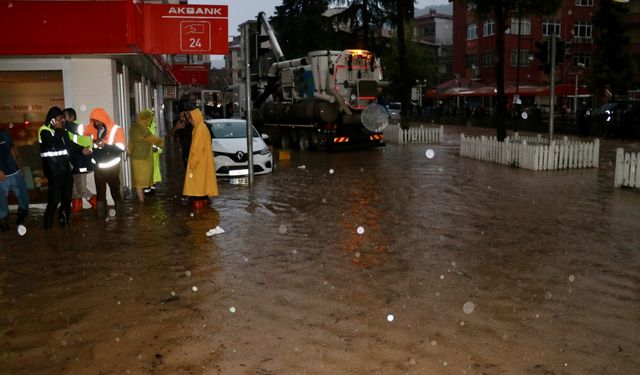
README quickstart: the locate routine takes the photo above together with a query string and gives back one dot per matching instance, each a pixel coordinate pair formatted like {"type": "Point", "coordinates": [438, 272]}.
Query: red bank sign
{"type": "Point", "coordinates": [185, 29]}
{"type": "Point", "coordinates": [111, 26]}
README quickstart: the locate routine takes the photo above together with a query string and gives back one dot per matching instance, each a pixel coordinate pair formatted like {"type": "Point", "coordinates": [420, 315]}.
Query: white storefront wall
{"type": "Point", "coordinates": [98, 82]}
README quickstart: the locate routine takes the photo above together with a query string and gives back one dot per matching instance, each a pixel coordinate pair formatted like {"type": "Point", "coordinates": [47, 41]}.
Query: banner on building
{"type": "Point", "coordinates": [191, 74]}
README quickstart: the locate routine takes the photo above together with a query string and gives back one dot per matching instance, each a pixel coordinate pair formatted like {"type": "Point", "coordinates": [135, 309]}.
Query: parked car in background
{"type": "Point", "coordinates": [229, 144]}
{"type": "Point", "coordinates": [394, 111]}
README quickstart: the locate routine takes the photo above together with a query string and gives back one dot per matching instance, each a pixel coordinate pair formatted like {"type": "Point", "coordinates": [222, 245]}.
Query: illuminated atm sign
{"type": "Point", "coordinates": [185, 29]}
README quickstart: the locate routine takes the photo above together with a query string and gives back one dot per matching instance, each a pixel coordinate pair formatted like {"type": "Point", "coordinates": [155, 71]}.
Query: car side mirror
{"type": "Point", "coordinates": [264, 136]}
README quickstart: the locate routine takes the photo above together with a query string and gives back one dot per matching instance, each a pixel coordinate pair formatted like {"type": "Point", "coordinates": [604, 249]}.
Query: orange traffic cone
{"type": "Point", "coordinates": [76, 205]}
{"type": "Point", "coordinates": [93, 201]}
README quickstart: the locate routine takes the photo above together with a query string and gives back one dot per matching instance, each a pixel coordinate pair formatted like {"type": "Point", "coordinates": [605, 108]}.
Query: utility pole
{"type": "Point", "coordinates": [552, 86]}
{"type": "Point", "coordinates": [247, 50]}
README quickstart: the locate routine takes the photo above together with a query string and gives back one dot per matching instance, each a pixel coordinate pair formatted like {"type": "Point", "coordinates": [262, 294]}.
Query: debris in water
{"type": "Point", "coordinates": [214, 231]}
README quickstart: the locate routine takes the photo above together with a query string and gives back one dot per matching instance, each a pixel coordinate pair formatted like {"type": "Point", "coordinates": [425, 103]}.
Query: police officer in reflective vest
{"type": "Point", "coordinates": [81, 163]}
{"type": "Point", "coordinates": [54, 152]}
{"type": "Point", "coordinates": [108, 146]}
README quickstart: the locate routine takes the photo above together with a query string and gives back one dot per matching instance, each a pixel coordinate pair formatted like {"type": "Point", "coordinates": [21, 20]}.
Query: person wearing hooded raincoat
{"type": "Point", "coordinates": [200, 179]}
{"type": "Point", "coordinates": [108, 146]}
{"type": "Point", "coordinates": [141, 142]}
{"type": "Point", "coordinates": [157, 175]}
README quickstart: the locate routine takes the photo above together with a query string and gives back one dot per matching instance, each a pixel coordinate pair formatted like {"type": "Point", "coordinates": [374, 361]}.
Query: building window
{"type": "Point", "coordinates": [584, 3]}
{"type": "Point", "coordinates": [489, 28]}
{"type": "Point", "coordinates": [472, 61]}
{"type": "Point", "coordinates": [581, 58]}
{"type": "Point", "coordinates": [472, 31]}
{"type": "Point", "coordinates": [582, 29]}
{"type": "Point", "coordinates": [550, 27]}
{"type": "Point", "coordinates": [524, 57]}
{"type": "Point", "coordinates": [525, 26]}
{"type": "Point", "coordinates": [487, 58]}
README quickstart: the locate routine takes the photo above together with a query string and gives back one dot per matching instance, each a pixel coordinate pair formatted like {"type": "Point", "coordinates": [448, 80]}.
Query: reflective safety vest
{"type": "Point", "coordinates": [54, 154]}
{"type": "Point", "coordinates": [80, 139]}
{"type": "Point", "coordinates": [107, 157]}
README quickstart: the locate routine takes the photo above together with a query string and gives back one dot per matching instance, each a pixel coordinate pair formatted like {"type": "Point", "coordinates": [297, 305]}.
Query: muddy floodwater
{"type": "Point", "coordinates": [369, 262]}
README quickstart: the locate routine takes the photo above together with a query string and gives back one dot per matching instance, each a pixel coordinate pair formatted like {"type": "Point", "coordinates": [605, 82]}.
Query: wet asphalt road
{"type": "Point", "coordinates": [369, 262]}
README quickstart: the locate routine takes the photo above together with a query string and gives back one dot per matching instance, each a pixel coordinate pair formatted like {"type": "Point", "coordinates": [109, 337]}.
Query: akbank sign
{"type": "Point", "coordinates": [185, 29]}
{"type": "Point", "coordinates": [193, 11]}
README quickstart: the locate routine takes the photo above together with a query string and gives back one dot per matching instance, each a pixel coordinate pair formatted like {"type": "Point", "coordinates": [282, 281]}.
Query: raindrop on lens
{"type": "Point", "coordinates": [83, 108]}
{"type": "Point", "coordinates": [430, 154]}
{"type": "Point", "coordinates": [194, 288]}
{"type": "Point", "coordinates": [188, 273]}
{"type": "Point", "coordinates": [548, 295]}
{"type": "Point", "coordinates": [468, 307]}
{"type": "Point", "coordinates": [331, 171]}
{"type": "Point", "coordinates": [232, 309]}
{"type": "Point", "coordinates": [572, 278]}
{"type": "Point", "coordinates": [22, 230]}
{"type": "Point", "coordinates": [360, 230]}
{"type": "Point", "coordinates": [283, 229]}
{"type": "Point", "coordinates": [390, 317]}
{"type": "Point", "coordinates": [173, 294]}
{"type": "Point", "coordinates": [112, 212]}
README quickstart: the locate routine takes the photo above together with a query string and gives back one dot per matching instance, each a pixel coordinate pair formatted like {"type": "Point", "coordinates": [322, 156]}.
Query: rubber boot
{"type": "Point", "coordinates": [48, 219]}
{"type": "Point", "coordinates": [22, 215]}
{"type": "Point", "coordinates": [63, 216]}
{"type": "Point", "coordinates": [102, 209]}
{"type": "Point", "coordinates": [93, 201]}
{"type": "Point", "coordinates": [4, 225]}
{"type": "Point", "coordinates": [119, 209]}
{"type": "Point", "coordinates": [76, 205]}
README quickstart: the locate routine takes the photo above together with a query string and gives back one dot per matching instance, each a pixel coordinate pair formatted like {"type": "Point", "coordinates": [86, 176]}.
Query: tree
{"type": "Point", "coordinates": [612, 62]}
{"type": "Point", "coordinates": [296, 18]}
{"type": "Point", "coordinates": [422, 68]}
{"type": "Point", "coordinates": [500, 11]}
{"type": "Point", "coordinates": [365, 19]}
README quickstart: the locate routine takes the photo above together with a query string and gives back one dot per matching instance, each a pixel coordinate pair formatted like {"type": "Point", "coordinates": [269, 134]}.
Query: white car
{"type": "Point", "coordinates": [229, 144]}
{"type": "Point", "coordinates": [394, 111]}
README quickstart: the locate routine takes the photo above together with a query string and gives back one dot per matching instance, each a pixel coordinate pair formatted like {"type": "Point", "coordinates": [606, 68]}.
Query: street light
{"type": "Point", "coordinates": [420, 85]}
{"type": "Point", "coordinates": [575, 92]}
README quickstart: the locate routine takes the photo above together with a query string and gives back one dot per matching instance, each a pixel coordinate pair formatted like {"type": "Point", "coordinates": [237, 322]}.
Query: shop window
{"type": "Point", "coordinates": [25, 99]}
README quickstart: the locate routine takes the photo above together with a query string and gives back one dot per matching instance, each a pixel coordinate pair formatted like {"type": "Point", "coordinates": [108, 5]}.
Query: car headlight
{"type": "Point", "coordinates": [265, 151]}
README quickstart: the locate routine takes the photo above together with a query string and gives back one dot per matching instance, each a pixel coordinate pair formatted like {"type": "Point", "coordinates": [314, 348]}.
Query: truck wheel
{"type": "Point", "coordinates": [303, 140]}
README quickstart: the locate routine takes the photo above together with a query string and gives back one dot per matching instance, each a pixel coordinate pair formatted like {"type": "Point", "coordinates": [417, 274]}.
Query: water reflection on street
{"type": "Point", "coordinates": [383, 261]}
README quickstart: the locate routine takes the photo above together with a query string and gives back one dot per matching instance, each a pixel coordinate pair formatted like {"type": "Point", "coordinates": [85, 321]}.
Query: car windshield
{"type": "Point", "coordinates": [223, 130]}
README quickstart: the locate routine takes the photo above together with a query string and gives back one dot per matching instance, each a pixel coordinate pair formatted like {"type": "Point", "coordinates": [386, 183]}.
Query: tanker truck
{"type": "Point", "coordinates": [325, 100]}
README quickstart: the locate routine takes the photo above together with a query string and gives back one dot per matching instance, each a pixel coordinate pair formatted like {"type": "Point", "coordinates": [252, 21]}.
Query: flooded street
{"type": "Point", "coordinates": [371, 262]}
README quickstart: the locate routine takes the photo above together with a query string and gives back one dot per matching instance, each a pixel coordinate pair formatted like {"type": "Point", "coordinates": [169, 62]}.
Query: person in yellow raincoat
{"type": "Point", "coordinates": [200, 179]}
{"type": "Point", "coordinates": [141, 142]}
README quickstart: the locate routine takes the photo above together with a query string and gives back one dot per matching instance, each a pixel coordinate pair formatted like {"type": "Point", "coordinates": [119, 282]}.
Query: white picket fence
{"type": "Point", "coordinates": [627, 169]}
{"type": "Point", "coordinates": [560, 154]}
{"type": "Point", "coordinates": [395, 134]}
